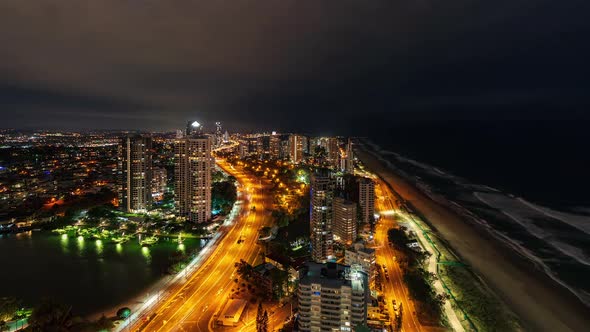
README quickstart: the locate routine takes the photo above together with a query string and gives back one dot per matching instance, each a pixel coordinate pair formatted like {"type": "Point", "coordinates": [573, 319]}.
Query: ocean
{"type": "Point", "coordinates": [524, 182]}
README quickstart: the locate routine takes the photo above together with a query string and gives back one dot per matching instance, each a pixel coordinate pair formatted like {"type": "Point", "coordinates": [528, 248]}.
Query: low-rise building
{"type": "Point", "coordinates": [360, 255]}
{"type": "Point", "coordinates": [230, 316]}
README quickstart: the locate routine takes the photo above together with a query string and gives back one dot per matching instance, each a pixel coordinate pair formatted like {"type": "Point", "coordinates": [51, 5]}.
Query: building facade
{"type": "Point", "coordinates": [275, 146]}
{"type": "Point", "coordinates": [192, 171]}
{"type": "Point", "coordinates": [135, 173]}
{"type": "Point", "coordinates": [367, 200]}
{"type": "Point", "coordinates": [159, 182]}
{"type": "Point", "coordinates": [332, 297]}
{"type": "Point", "coordinates": [296, 148]}
{"type": "Point", "coordinates": [349, 160]}
{"type": "Point", "coordinates": [321, 199]}
{"type": "Point", "coordinates": [344, 221]}
{"type": "Point", "coordinates": [364, 257]}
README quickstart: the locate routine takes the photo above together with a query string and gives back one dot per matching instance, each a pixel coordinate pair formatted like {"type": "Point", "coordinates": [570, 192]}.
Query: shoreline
{"type": "Point", "coordinates": [539, 302]}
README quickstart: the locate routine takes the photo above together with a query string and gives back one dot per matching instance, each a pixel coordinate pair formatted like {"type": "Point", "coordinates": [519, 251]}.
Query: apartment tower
{"type": "Point", "coordinates": [135, 173]}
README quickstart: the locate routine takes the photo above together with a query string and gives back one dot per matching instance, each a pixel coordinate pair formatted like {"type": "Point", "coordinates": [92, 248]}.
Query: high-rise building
{"type": "Point", "coordinates": [159, 182]}
{"type": "Point", "coordinates": [296, 148]}
{"type": "Point", "coordinates": [193, 128]}
{"type": "Point", "coordinates": [367, 200]}
{"type": "Point", "coordinates": [321, 196]}
{"type": "Point", "coordinates": [263, 146]}
{"type": "Point", "coordinates": [275, 146]}
{"type": "Point", "coordinates": [333, 149]}
{"type": "Point", "coordinates": [192, 171]}
{"type": "Point", "coordinates": [218, 134]}
{"type": "Point", "coordinates": [135, 173]}
{"type": "Point", "coordinates": [349, 161]}
{"type": "Point", "coordinates": [332, 297]}
{"type": "Point", "coordinates": [344, 220]}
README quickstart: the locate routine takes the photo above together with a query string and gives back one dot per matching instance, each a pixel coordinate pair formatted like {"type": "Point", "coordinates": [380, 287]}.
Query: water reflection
{"type": "Point", "coordinates": [120, 273]}
{"type": "Point", "coordinates": [145, 251]}
{"type": "Point", "coordinates": [24, 235]}
{"type": "Point", "coordinates": [99, 247]}
{"type": "Point", "coordinates": [64, 243]}
{"type": "Point", "coordinates": [80, 244]}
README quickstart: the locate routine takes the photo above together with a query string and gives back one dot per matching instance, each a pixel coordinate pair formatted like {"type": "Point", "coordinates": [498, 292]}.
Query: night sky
{"type": "Point", "coordinates": [314, 66]}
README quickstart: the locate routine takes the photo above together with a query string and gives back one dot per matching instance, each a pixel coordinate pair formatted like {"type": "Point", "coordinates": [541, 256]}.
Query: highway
{"type": "Point", "coordinates": [193, 305]}
{"type": "Point", "coordinates": [394, 288]}
{"type": "Point", "coordinates": [385, 204]}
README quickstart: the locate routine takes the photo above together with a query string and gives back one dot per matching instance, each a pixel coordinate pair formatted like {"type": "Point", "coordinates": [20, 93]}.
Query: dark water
{"type": "Point", "coordinates": [88, 275]}
{"type": "Point", "coordinates": [546, 162]}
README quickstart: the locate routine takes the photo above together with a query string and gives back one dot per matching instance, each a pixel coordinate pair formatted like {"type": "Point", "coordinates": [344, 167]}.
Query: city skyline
{"type": "Point", "coordinates": [286, 166]}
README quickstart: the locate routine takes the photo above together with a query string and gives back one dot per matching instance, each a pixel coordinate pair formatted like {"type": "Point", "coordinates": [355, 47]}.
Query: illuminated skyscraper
{"type": "Point", "coordinates": [193, 162]}
{"type": "Point", "coordinates": [321, 196]}
{"type": "Point", "coordinates": [135, 173]}
{"type": "Point", "coordinates": [344, 221]}
{"type": "Point", "coordinates": [275, 146]}
{"type": "Point", "coordinates": [159, 182]}
{"type": "Point", "coordinates": [349, 162]}
{"type": "Point", "coordinates": [296, 148]}
{"type": "Point", "coordinates": [367, 200]}
{"type": "Point", "coordinates": [333, 150]}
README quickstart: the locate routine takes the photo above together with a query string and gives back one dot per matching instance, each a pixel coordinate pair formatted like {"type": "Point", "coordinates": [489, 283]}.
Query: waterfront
{"type": "Point", "coordinates": [88, 274]}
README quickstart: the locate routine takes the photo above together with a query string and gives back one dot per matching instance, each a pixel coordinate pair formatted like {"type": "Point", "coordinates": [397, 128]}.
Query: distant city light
{"type": "Point", "coordinates": [196, 124]}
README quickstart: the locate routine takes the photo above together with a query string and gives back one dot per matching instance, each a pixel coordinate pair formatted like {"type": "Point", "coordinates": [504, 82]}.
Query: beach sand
{"type": "Point", "coordinates": [540, 303]}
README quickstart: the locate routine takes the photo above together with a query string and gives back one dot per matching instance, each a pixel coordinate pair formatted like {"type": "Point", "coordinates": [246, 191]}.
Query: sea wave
{"type": "Point", "coordinates": [557, 242]}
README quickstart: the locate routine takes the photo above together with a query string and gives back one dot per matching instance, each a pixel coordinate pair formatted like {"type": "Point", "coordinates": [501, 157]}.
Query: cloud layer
{"type": "Point", "coordinates": [153, 64]}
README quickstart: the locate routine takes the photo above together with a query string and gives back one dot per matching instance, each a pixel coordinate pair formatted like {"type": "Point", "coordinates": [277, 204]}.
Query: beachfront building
{"type": "Point", "coordinates": [364, 257]}
{"type": "Point", "coordinates": [367, 200]}
{"type": "Point", "coordinates": [321, 195]}
{"type": "Point", "coordinates": [344, 221]}
{"type": "Point", "coordinates": [332, 297]}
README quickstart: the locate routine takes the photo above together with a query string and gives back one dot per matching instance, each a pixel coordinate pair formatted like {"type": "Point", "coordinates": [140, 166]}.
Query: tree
{"type": "Point", "coordinates": [8, 308]}
{"type": "Point", "coordinates": [245, 270]}
{"type": "Point", "coordinates": [259, 318]}
{"type": "Point", "coordinates": [264, 324]}
{"type": "Point", "coordinates": [50, 316]}
{"type": "Point", "coordinates": [103, 323]}
{"type": "Point", "coordinates": [123, 313]}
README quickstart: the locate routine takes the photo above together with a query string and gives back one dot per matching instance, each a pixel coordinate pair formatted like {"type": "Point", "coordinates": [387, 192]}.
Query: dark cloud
{"type": "Point", "coordinates": [288, 64]}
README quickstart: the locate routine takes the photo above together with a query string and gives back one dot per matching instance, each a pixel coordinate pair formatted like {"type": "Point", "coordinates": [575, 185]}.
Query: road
{"type": "Point", "coordinates": [192, 306]}
{"type": "Point", "coordinates": [394, 288]}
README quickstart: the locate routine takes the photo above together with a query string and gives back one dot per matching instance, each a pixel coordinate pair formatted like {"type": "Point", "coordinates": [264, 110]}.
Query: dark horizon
{"type": "Point", "coordinates": [292, 66]}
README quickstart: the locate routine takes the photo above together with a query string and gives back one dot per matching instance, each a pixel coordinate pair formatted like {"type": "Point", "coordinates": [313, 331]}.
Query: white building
{"type": "Point", "coordinates": [332, 297]}
{"type": "Point", "coordinates": [362, 256]}
{"type": "Point", "coordinates": [193, 162]}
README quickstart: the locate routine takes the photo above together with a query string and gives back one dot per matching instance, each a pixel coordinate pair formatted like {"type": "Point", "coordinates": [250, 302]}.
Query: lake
{"type": "Point", "coordinates": [90, 275]}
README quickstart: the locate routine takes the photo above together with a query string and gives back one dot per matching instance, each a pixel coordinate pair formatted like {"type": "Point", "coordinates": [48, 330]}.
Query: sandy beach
{"type": "Point", "coordinates": [540, 303]}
